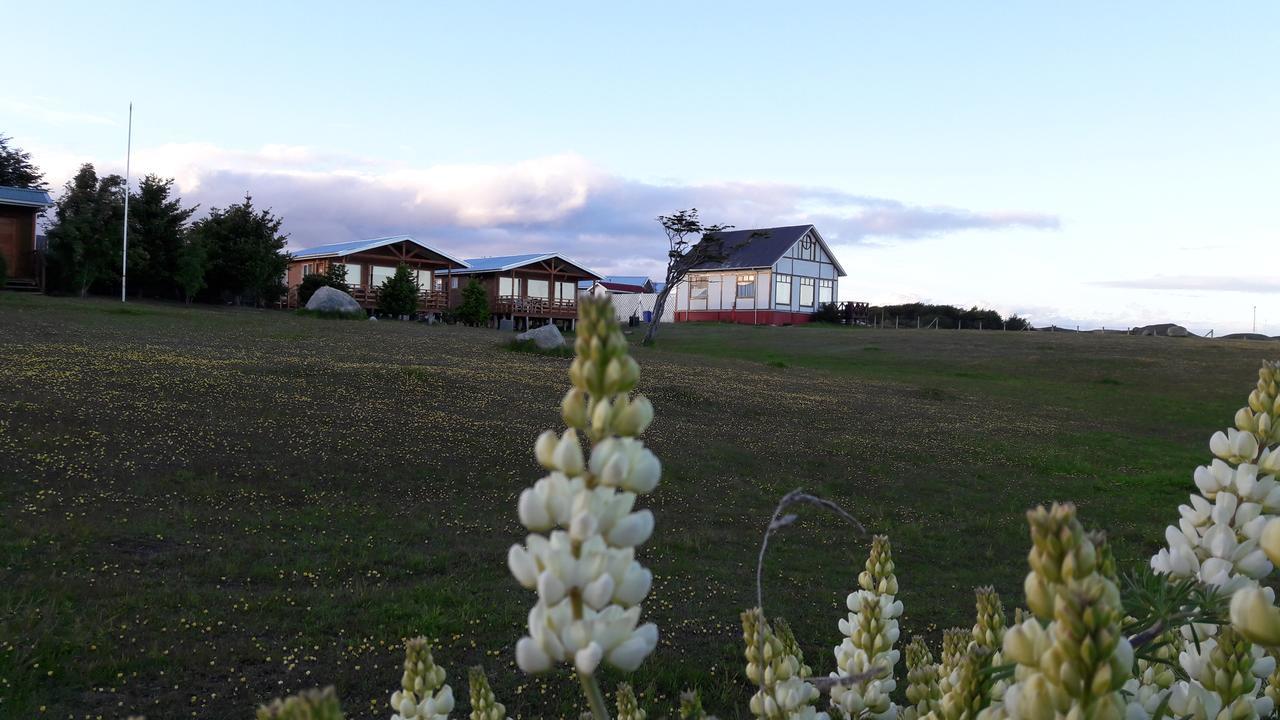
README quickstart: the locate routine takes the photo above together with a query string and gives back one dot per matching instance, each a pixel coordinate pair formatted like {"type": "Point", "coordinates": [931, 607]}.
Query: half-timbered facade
{"type": "Point", "coordinates": [369, 262]}
{"type": "Point", "coordinates": [767, 276]}
{"type": "Point", "coordinates": [24, 269]}
{"type": "Point", "coordinates": [529, 290]}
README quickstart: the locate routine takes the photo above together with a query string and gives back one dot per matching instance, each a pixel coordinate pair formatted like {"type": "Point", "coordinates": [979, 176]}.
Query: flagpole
{"type": "Point", "coordinates": [124, 256]}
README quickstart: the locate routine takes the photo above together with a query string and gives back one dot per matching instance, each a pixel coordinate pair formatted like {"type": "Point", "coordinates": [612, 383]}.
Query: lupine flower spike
{"type": "Point", "coordinates": [423, 692]}
{"type": "Point", "coordinates": [782, 693]}
{"type": "Point", "coordinates": [923, 692]}
{"type": "Point", "coordinates": [870, 630]}
{"type": "Point", "coordinates": [1071, 657]}
{"type": "Point", "coordinates": [306, 705]}
{"type": "Point", "coordinates": [580, 555]}
{"type": "Point", "coordinates": [628, 708]}
{"type": "Point", "coordinates": [484, 706]}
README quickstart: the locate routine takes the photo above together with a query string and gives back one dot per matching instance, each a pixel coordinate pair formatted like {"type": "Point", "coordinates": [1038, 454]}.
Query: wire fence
{"type": "Point", "coordinates": [628, 305]}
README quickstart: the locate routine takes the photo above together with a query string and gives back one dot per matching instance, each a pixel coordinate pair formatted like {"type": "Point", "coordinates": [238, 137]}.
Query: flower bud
{"type": "Point", "coordinates": [573, 408]}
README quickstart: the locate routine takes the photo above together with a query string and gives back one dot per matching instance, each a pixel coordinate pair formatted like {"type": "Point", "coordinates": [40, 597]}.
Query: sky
{"type": "Point", "coordinates": [1092, 164]}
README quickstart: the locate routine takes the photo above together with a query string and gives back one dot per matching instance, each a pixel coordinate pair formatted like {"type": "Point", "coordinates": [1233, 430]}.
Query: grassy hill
{"type": "Point", "coordinates": [204, 508]}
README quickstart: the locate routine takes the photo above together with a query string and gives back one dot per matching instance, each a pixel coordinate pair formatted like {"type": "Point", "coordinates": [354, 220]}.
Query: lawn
{"type": "Point", "coordinates": [204, 508]}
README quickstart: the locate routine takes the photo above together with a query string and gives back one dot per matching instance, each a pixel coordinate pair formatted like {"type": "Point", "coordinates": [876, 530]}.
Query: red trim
{"type": "Point", "coordinates": [744, 317]}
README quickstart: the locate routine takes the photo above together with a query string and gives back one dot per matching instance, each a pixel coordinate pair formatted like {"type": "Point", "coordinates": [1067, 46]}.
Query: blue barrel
{"type": "Point", "coordinates": [648, 316]}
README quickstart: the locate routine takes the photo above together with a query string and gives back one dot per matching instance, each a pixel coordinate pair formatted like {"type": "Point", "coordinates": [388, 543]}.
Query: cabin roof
{"type": "Point", "coordinates": [352, 247]}
{"type": "Point", "coordinates": [502, 263]}
{"type": "Point", "coordinates": [25, 197]}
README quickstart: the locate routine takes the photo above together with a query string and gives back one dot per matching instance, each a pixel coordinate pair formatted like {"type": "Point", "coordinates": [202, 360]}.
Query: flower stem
{"type": "Point", "coordinates": [595, 698]}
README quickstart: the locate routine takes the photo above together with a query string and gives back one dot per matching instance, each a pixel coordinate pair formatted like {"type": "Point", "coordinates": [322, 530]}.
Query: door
{"type": "Point", "coordinates": [10, 247]}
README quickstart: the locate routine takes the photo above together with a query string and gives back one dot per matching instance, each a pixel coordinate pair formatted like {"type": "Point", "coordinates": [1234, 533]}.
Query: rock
{"type": "Point", "coordinates": [328, 299]}
{"type": "Point", "coordinates": [546, 337]}
{"type": "Point", "coordinates": [1176, 331]}
{"type": "Point", "coordinates": [373, 318]}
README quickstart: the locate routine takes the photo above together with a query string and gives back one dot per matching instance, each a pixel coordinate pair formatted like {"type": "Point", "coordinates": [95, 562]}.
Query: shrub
{"type": "Point", "coordinates": [399, 293]}
{"type": "Point", "coordinates": [475, 304]}
{"type": "Point", "coordinates": [828, 313]}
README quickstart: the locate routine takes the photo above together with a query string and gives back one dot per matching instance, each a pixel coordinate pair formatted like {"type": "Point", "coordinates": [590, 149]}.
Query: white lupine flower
{"type": "Point", "coordinates": [580, 555]}
{"type": "Point", "coordinates": [870, 630]}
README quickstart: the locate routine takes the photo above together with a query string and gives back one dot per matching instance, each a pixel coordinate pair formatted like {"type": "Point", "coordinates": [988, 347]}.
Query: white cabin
{"type": "Point", "coordinates": [768, 276]}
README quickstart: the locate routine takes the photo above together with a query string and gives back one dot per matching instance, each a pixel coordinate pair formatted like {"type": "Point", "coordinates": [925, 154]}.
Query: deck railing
{"type": "Point", "coordinates": [428, 300]}
{"type": "Point", "coordinates": [535, 307]}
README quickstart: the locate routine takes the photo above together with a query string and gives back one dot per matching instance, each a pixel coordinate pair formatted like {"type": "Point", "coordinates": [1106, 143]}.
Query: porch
{"type": "Point", "coordinates": [429, 301]}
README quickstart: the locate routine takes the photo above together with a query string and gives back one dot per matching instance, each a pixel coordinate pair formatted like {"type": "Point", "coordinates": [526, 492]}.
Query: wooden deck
{"type": "Point", "coordinates": [428, 300]}
{"type": "Point", "coordinates": [535, 308]}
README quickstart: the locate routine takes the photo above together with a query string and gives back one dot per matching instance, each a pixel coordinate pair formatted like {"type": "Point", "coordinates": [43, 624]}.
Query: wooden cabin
{"type": "Point", "coordinates": [527, 290]}
{"type": "Point", "coordinates": [369, 262]}
{"type": "Point", "coordinates": [765, 276]}
{"type": "Point", "coordinates": [24, 266]}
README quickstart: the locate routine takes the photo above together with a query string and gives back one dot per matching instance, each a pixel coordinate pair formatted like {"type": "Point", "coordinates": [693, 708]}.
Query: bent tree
{"type": "Point", "coordinates": [690, 244]}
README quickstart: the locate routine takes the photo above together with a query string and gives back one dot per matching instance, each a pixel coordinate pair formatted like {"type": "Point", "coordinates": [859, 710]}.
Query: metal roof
{"type": "Point", "coordinates": [762, 247]}
{"type": "Point", "coordinates": [502, 263]}
{"type": "Point", "coordinates": [627, 279]}
{"type": "Point", "coordinates": [352, 247]}
{"type": "Point", "coordinates": [26, 197]}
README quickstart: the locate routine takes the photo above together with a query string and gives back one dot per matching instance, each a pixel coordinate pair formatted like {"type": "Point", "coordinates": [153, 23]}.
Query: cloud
{"type": "Point", "coordinates": [44, 112]}
{"type": "Point", "coordinates": [559, 202]}
{"type": "Point", "coordinates": [1203, 283]}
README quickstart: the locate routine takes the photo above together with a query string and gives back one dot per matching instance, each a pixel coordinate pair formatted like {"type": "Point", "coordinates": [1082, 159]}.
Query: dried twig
{"type": "Point", "coordinates": [777, 522]}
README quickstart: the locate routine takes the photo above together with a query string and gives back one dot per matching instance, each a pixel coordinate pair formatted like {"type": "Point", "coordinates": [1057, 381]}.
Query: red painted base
{"type": "Point", "coordinates": [744, 317]}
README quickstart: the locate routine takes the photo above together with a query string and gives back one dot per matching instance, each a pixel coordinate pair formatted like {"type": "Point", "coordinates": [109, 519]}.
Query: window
{"type": "Point", "coordinates": [826, 291]}
{"type": "Point", "coordinates": [807, 248]}
{"type": "Point", "coordinates": [306, 269]}
{"type": "Point", "coordinates": [537, 288]}
{"type": "Point", "coordinates": [746, 286]}
{"type": "Point", "coordinates": [806, 292]}
{"type": "Point", "coordinates": [379, 273]}
{"type": "Point", "coordinates": [424, 279]}
{"type": "Point", "coordinates": [698, 288]}
{"type": "Point", "coordinates": [439, 284]}
{"type": "Point", "coordinates": [781, 289]}
{"type": "Point", "coordinates": [454, 284]}
{"type": "Point", "coordinates": [355, 274]}
{"type": "Point", "coordinates": [566, 290]}
{"type": "Point", "coordinates": [508, 287]}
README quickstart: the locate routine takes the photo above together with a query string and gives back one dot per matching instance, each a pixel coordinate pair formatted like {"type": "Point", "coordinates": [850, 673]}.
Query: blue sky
{"type": "Point", "coordinates": [1079, 164]}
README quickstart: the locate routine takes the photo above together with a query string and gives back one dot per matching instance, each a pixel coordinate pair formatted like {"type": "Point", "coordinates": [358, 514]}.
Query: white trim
{"type": "Point", "coordinates": [468, 270]}
{"type": "Point", "coordinates": [305, 254]}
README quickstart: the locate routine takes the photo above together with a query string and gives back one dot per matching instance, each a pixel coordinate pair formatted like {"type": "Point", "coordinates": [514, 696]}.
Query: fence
{"type": "Point", "coordinates": [627, 305]}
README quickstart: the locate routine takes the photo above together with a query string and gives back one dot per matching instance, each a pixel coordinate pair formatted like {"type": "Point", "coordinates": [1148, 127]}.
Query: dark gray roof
{"type": "Point", "coordinates": [761, 247]}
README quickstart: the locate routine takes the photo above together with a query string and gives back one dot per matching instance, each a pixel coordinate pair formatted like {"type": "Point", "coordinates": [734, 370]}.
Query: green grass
{"type": "Point", "coordinates": [204, 508]}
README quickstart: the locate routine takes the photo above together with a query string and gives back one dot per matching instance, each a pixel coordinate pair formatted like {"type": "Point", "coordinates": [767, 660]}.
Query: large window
{"type": "Point", "coordinates": [746, 286]}
{"type": "Point", "coordinates": [826, 291]}
{"type": "Point", "coordinates": [781, 289]}
{"type": "Point", "coordinates": [508, 287]}
{"type": "Point", "coordinates": [355, 274]}
{"type": "Point", "coordinates": [806, 292]}
{"type": "Point", "coordinates": [566, 290]}
{"type": "Point", "coordinates": [380, 273]}
{"type": "Point", "coordinates": [698, 288]}
{"type": "Point", "coordinates": [424, 280]}
{"type": "Point", "coordinates": [306, 269]}
{"type": "Point", "coordinates": [537, 288]}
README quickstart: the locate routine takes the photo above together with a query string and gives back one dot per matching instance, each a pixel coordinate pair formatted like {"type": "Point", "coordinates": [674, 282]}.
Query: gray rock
{"type": "Point", "coordinates": [328, 299]}
{"type": "Point", "coordinates": [546, 337]}
{"type": "Point", "coordinates": [373, 318]}
{"type": "Point", "coordinates": [1176, 331]}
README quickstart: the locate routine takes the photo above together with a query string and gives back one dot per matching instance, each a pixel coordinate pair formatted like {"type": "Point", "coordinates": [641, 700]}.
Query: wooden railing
{"type": "Point", "coordinates": [535, 307]}
{"type": "Point", "coordinates": [428, 300]}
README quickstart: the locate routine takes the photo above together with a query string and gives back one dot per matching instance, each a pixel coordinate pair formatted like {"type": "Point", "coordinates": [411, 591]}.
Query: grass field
{"type": "Point", "coordinates": [206, 508]}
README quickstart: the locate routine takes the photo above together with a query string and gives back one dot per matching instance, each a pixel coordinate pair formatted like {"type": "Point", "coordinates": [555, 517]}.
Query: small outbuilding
{"type": "Point", "coordinates": [24, 263]}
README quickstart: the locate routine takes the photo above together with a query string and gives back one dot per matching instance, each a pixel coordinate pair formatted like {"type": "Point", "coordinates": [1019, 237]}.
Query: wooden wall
{"type": "Point", "coordinates": [18, 240]}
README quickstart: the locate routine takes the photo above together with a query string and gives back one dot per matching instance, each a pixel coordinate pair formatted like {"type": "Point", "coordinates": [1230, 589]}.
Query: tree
{"type": "Point", "coordinates": [684, 254]}
{"type": "Point", "coordinates": [247, 260]}
{"type": "Point", "coordinates": [190, 266]}
{"type": "Point", "coordinates": [84, 241]}
{"type": "Point", "coordinates": [335, 276]}
{"type": "Point", "coordinates": [16, 168]}
{"type": "Point", "coordinates": [157, 234]}
{"type": "Point", "coordinates": [475, 304]}
{"type": "Point", "coordinates": [399, 293]}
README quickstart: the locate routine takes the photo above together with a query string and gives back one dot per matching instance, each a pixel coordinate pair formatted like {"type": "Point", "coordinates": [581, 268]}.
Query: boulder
{"type": "Point", "coordinates": [546, 337]}
{"type": "Point", "coordinates": [1176, 331]}
{"type": "Point", "coordinates": [328, 299]}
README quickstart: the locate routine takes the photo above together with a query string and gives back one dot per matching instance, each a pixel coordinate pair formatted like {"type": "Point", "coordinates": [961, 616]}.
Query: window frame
{"type": "Point", "coordinates": [359, 280]}
{"type": "Point", "coordinates": [813, 294]}
{"type": "Point", "coordinates": [830, 287]}
{"type": "Point", "coordinates": [747, 281]}
{"type": "Point", "coordinates": [780, 279]}
{"type": "Point", "coordinates": [528, 288]}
